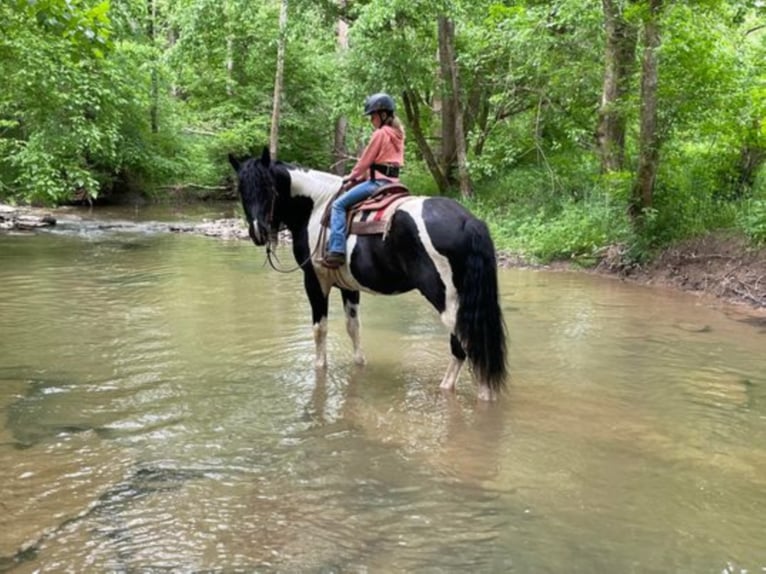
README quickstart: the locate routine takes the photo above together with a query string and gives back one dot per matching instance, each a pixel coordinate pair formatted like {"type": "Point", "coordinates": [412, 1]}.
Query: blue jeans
{"type": "Point", "coordinates": [354, 195]}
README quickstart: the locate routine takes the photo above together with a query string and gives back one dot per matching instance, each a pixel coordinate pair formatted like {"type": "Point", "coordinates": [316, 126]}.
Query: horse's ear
{"type": "Point", "coordinates": [234, 162]}
{"type": "Point", "coordinates": [266, 156]}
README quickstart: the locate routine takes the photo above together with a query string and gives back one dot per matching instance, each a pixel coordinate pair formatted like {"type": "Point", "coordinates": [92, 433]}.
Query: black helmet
{"type": "Point", "coordinates": [379, 102]}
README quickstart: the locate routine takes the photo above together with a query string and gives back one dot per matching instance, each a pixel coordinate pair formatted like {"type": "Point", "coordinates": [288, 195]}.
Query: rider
{"type": "Point", "coordinates": [379, 165]}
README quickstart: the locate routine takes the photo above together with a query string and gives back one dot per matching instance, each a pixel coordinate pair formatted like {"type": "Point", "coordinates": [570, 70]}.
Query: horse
{"type": "Point", "coordinates": [432, 244]}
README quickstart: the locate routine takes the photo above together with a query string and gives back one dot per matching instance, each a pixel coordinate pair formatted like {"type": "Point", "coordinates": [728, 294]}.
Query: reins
{"type": "Point", "coordinates": [270, 258]}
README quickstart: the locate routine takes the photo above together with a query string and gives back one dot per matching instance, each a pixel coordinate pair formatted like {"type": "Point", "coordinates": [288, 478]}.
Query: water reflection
{"type": "Point", "coordinates": [159, 409]}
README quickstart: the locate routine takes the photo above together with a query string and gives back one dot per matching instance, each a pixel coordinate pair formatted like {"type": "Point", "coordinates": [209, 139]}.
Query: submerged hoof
{"type": "Point", "coordinates": [447, 385]}
{"type": "Point", "coordinates": [486, 394]}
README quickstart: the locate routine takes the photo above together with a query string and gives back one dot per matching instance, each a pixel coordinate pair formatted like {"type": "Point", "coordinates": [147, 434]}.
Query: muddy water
{"type": "Point", "coordinates": [159, 410]}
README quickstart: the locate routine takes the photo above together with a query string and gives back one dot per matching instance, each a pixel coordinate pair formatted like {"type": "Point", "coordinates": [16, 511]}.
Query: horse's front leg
{"type": "Point", "coordinates": [318, 299]}
{"type": "Point", "coordinates": [353, 326]}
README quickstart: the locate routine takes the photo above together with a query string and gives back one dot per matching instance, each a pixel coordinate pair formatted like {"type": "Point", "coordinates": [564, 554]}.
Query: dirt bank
{"type": "Point", "coordinates": [719, 265]}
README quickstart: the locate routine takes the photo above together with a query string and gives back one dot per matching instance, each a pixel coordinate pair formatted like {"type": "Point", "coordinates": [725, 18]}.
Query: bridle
{"type": "Point", "coordinates": [273, 237]}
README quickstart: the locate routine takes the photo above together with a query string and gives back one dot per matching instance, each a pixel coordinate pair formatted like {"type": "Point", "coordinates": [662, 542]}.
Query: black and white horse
{"type": "Point", "coordinates": [432, 244]}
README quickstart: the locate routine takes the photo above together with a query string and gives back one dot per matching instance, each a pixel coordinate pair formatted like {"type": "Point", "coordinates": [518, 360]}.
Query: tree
{"type": "Point", "coordinates": [154, 98]}
{"type": "Point", "coordinates": [447, 102]}
{"type": "Point", "coordinates": [619, 58]}
{"type": "Point", "coordinates": [340, 152]}
{"type": "Point", "coordinates": [648, 155]}
{"type": "Point", "coordinates": [279, 80]}
{"type": "Point", "coordinates": [453, 136]}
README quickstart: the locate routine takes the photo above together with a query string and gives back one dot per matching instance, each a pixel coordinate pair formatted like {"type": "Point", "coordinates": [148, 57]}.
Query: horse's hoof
{"type": "Point", "coordinates": [486, 394]}
{"type": "Point", "coordinates": [360, 360]}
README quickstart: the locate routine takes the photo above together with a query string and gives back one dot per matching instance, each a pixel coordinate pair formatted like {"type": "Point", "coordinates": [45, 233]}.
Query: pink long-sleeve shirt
{"type": "Point", "coordinates": [386, 147]}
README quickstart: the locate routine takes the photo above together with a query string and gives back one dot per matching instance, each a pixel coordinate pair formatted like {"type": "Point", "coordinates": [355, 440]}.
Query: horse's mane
{"type": "Point", "coordinates": [318, 185]}
{"type": "Point", "coordinates": [250, 175]}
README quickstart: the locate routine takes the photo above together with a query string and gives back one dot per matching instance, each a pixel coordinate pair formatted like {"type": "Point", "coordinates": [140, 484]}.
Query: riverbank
{"type": "Point", "coordinates": [24, 219]}
{"type": "Point", "coordinates": [718, 265]}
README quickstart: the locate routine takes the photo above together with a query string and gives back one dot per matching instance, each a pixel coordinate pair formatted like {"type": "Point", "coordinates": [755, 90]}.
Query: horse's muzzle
{"type": "Point", "coordinates": [255, 234]}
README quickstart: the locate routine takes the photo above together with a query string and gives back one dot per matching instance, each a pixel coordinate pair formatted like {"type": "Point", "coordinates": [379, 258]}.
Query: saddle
{"type": "Point", "coordinates": [372, 215]}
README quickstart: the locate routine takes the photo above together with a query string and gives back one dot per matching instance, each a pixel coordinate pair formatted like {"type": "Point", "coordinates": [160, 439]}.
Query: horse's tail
{"type": "Point", "coordinates": [480, 326]}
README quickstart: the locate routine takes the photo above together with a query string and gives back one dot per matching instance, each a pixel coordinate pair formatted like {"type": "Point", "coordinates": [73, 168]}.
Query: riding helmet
{"type": "Point", "coordinates": [380, 102]}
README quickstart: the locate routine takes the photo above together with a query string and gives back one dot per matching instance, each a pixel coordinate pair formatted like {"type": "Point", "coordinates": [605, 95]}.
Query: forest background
{"type": "Point", "coordinates": [569, 125]}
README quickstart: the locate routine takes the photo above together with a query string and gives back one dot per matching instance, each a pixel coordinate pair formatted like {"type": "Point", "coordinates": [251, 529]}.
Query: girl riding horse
{"type": "Point", "coordinates": [379, 164]}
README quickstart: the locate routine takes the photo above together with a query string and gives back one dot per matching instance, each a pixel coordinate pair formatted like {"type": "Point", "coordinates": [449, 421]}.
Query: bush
{"type": "Point", "coordinates": [580, 231]}
{"type": "Point", "coordinates": [752, 220]}
{"type": "Point", "coordinates": [526, 215]}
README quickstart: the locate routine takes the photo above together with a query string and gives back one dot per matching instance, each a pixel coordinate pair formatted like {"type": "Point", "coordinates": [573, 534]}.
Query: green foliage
{"type": "Point", "coordinates": [225, 64]}
{"type": "Point", "coordinates": [579, 232]}
{"type": "Point", "coordinates": [690, 195]}
{"type": "Point", "coordinates": [544, 62]}
{"type": "Point", "coordinates": [418, 179]}
{"type": "Point", "coordinates": [533, 212]}
{"type": "Point", "coordinates": [406, 28]}
{"type": "Point", "coordinates": [752, 220]}
{"type": "Point", "coordinates": [101, 96]}
{"type": "Point", "coordinates": [59, 92]}
{"type": "Point", "coordinates": [84, 25]}
{"type": "Point", "coordinates": [700, 68]}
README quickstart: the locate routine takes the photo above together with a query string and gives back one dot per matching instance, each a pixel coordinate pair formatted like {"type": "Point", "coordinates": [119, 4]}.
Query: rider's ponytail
{"type": "Point", "coordinates": [393, 122]}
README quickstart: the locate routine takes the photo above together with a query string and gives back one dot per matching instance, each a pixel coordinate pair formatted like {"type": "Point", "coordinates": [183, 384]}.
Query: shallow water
{"type": "Point", "coordinates": [159, 410]}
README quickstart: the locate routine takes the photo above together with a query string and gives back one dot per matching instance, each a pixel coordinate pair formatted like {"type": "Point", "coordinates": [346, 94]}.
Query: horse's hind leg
{"type": "Point", "coordinates": [444, 298]}
{"type": "Point", "coordinates": [353, 327]}
{"type": "Point", "coordinates": [456, 363]}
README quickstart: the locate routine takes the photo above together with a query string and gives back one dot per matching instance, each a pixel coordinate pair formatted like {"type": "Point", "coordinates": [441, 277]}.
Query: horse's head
{"type": "Point", "coordinates": [259, 195]}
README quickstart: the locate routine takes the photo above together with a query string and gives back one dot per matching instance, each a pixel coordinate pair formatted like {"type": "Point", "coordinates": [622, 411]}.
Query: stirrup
{"type": "Point", "coordinates": [333, 260]}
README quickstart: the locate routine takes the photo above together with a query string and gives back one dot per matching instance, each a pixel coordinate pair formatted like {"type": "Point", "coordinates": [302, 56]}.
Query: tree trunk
{"type": "Point", "coordinates": [447, 102]}
{"type": "Point", "coordinates": [410, 99]}
{"type": "Point", "coordinates": [340, 152]}
{"type": "Point", "coordinates": [279, 80]}
{"type": "Point", "coordinates": [227, 10]}
{"type": "Point", "coordinates": [171, 40]}
{"type": "Point", "coordinates": [464, 180]}
{"type": "Point", "coordinates": [155, 90]}
{"type": "Point", "coordinates": [648, 160]}
{"type": "Point", "coordinates": [620, 49]}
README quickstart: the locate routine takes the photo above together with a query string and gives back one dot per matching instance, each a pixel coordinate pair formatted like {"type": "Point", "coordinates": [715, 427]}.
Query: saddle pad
{"type": "Point", "coordinates": [368, 219]}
